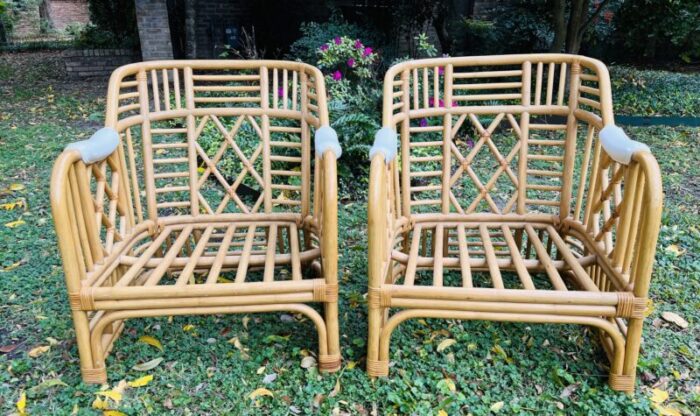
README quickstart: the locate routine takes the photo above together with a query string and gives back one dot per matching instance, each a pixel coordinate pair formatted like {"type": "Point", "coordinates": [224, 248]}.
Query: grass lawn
{"type": "Point", "coordinates": [210, 365]}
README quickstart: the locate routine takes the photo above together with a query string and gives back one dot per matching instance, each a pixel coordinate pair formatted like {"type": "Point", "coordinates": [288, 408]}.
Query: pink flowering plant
{"type": "Point", "coordinates": [343, 58]}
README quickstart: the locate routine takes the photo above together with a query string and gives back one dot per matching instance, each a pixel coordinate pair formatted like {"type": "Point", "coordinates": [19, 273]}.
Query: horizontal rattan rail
{"type": "Point", "coordinates": [201, 196]}
{"type": "Point", "coordinates": [489, 214]}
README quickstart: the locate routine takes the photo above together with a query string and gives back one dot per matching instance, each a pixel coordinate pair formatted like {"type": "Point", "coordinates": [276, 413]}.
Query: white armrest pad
{"type": "Point", "coordinates": [386, 142]}
{"type": "Point", "coordinates": [98, 146]}
{"type": "Point", "coordinates": [327, 139]}
{"type": "Point", "coordinates": [618, 145]}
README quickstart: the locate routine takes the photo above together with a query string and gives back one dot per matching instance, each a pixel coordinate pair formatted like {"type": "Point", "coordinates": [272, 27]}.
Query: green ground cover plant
{"type": "Point", "coordinates": [219, 364]}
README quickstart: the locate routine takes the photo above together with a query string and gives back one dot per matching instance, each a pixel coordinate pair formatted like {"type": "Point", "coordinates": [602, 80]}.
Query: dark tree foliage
{"type": "Point", "coordinates": [115, 16]}
{"type": "Point", "coordinates": [659, 29]}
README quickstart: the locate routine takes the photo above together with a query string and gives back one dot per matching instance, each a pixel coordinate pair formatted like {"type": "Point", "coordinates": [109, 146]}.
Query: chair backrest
{"type": "Point", "coordinates": [218, 136]}
{"type": "Point", "coordinates": [527, 120]}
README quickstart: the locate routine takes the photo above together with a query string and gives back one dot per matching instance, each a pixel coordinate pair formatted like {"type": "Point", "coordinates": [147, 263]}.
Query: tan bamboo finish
{"type": "Point", "coordinates": [149, 230]}
{"type": "Point", "coordinates": [580, 243]}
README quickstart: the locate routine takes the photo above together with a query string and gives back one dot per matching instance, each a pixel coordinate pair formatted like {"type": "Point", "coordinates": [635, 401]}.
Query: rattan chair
{"type": "Point", "coordinates": [515, 198]}
{"type": "Point", "coordinates": [197, 198]}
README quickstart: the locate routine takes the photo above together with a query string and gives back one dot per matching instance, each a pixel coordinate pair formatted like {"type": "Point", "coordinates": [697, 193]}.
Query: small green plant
{"type": "Point", "coordinates": [424, 45]}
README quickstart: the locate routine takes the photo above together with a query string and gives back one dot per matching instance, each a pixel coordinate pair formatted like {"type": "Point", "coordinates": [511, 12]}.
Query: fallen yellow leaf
{"type": "Point", "coordinates": [22, 403]}
{"type": "Point", "coordinates": [13, 224]}
{"type": "Point", "coordinates": [113, 413]}
{"type": "Point", "coordinates": [442, 413]}
{"type": "Point", "coordinates": [351, 365]}
{"type": "Point", "coordinates": [496, 406]}
{"type": "Point", "coordinates": [141, 381]}
{"type": "Point", "coordinates": [16, 187]}
{"type": "Point", "coordinates": [673, 248]}
{"type": "Point", "coordinates": [668, 411]}
{"type": "Point", "coordinates": [260, 392]}
{"type": "Point", "coordinates": [147, 339]}
{"type": "Point", "coordinates": [112, 394]}
{"type": "Point", "coordinates": [446, 343]}
{"type": "Point", "coordinates": [35, 352]}
{"type": "Point", "coordinates": [100, 404]}
{"type": "Point", "coordinates": [12, 266]}
{"type": "Point", "coordinates": [658, 395]}
{"type": "Point", "coordinates": [260, 370]}
{"type": "Point", "coordinates": [450, 384]}
{"type": "Point", "coordinates": [188, 327]}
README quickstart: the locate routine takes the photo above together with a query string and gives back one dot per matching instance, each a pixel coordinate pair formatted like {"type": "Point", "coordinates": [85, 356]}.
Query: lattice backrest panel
{"type": "Point", "coordinates": [218, 136]}
{"type": "Point", "coordinates": [481, 134]}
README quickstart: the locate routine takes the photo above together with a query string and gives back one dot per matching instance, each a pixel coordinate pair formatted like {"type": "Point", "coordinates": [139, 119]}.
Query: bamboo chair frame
{"type": "Point", "coordinates": [148, 229]}
{"type": "Point", "coordinates": [592, 234]}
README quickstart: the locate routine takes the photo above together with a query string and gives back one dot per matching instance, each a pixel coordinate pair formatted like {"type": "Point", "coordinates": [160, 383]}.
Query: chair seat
{"type": "Point", "coordinates": [190, 257]}
{"type": "Point", "coordinates": [497, 265]}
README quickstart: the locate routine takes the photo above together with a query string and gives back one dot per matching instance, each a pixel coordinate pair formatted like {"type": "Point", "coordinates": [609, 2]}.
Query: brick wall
{"type": "Point", "coordinates": [212, 17]}
{"type": "Point", "coordinates": [26, 22]}
{"type": "Point", "coordinates": [84, 63]}
{"type": "Point", "coordinates": [64, 12]}
{"type": "Point", "coordinates": [154, 29]}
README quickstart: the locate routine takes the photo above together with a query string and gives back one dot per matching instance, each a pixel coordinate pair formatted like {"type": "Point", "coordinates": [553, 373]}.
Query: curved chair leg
{"type": "Point", "coordinates": [625, 381]}
{"type": "Point", "coordinates": [331, 362]}
{"type": "Point", "coordinates": [90, 373]}
{"type": "Point", "coordinates": [376, 367]}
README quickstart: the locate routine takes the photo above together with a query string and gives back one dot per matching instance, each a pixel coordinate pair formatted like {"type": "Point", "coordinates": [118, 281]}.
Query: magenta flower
{"type": "Point", "coordinates": [323, 47]}
{"type": "Point", "coordinates": [337, 76]}
{"type": "Point", "coordinates": [441, 70]}
{"type": "Point", "coordinates": [423, 122]}
{"type": "Point", "coordinates": [470, 142]}
{"type": "Point", "coordinates": [367, 51]}
{"type": "Point", "coordinates": [358, 44]}
{"type": "Point", "coordinates": [351, 62]}
{"type": "Point", "coordinates": [338, 40]}
{"type": "Point", "coordinates": [280, 92]}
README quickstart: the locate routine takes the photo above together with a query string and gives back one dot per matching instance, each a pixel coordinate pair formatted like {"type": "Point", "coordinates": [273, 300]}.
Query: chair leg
{"type": "Point", "coordinates": [625, 382]}
{"type": "Point", "coordinates": [90, 373]}
{"type": "Point", "coordinates": [331, 362]}
{"type": "Point", "coordinates": [375, 367]}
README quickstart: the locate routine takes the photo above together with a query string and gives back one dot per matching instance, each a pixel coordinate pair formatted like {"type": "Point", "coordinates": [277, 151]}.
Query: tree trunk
{"type": "Point", "coordinates": [190, 29]}
{"type": "Point", "coordinates": [440, 25]}
{"type": "Point", "coordinates": [574, 32]}
{"type": "Point", "coordinates": [559, 22]}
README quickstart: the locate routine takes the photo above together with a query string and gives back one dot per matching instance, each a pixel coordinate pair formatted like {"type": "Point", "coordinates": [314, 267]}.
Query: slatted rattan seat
{"type": "Point", "coordinates": [515, 198]}
{"type": "Point", "coordinates": [198, 198]}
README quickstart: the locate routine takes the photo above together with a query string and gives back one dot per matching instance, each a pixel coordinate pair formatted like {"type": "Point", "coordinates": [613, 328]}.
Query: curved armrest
{"type": "Point", "coordinates": [618, 145]}
{"type": "Point", "coordinates": [385, 142]}
{"type": "Point", "coordinates": [327, 139]}
{"type": "Point", "coordinates": [98, 146]}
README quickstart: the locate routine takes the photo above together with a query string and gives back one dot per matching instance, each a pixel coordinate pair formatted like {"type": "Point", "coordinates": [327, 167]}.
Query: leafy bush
{"type": "Point", "coordinates": [354, 88]}
{"type": "Point", "coordinates": [660, 29]}
{"type": "Point", "coordinates": [92, 36]}
{"type": "Point", "coordinates": [315, 34]}
{"type": "Point", "coordinates": [654, 93]}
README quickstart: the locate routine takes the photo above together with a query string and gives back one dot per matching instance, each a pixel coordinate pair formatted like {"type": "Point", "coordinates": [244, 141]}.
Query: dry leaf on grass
{"type": "Point", "coordinates": [260, 392]}
{"type": "Point", "coordinates": [446, 343]}
{"type": "Point", "coordinates": [674, 318]}
{"type": "Point", "coordinates": [147, 339]}
{"type": "Point", "coordinates": [35, 352]}
{"type": "Point", "coordinates": [148, 365]}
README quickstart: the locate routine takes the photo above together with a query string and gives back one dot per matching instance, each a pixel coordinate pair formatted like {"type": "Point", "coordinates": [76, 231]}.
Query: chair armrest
{"type": "Point", "coordinates": [100, 145]}
{"type": "Point", "coordinates": [378, 219]}
{"type": "Point", "coordinates": [618, 145]}
{"type": "Point", "coordinates": [78, 217]}
{"type": "Point", "coordinates": [328, 150]}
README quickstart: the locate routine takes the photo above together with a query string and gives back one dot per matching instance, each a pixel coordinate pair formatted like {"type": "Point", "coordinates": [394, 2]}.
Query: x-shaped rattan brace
{"type": "Point", "coordinates": [107, 220]}
{"type": "Point", "coordinates": [465, 165]}
{"type": "Point", "coordinates": [212, 169]}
